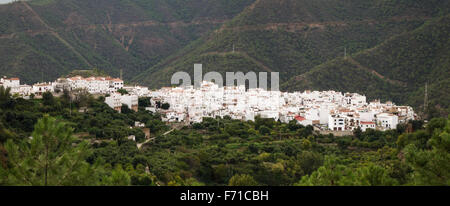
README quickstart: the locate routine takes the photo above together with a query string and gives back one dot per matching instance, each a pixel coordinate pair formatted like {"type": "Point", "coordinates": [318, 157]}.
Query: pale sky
{"type": "Point", "coordinates": [5, 1]}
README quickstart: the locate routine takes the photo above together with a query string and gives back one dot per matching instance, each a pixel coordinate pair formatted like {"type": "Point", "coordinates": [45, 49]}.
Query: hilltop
{"type": "Point", "coordinates": [44, 39]}
{"type": "Point", "coordinates": [392, 47]}
{"type": "Point", "coordinates": [295, 37]}
{"type": "Point", "coordinates": [398, 69]}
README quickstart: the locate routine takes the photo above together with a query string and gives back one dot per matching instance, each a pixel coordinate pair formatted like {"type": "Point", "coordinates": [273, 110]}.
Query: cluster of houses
{"type": "Point", "coordinates": [327, 110]}
{"type": "Point", "coordinates": [24, 90]}
{"type": "Point", "coordinates": [94, 85]}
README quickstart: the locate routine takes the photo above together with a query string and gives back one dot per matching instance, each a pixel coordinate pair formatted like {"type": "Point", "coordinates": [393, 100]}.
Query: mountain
{"type": "Point", "coordinates": [304, 38]}
{"type": "Point", "coordinates": [398, 69]}
{"type": "Point", "coordinates": [44, 39]}
{"type": "Point", "coordinates": [392, 47]}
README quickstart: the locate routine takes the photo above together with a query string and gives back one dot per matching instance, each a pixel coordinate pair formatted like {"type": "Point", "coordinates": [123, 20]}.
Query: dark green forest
{"type": "Point", "coordinates": [384, 49]}
{"type": "Point", "coordinates": [50, 141]}
{"type": "Point", "coordinates": [392, 48]}
{"type": "Point", "coordinates": [54, 37]}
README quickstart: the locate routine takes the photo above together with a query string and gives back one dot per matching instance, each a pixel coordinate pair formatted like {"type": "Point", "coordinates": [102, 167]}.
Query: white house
{"type": "Point", "coordinates": [24, 90]}
{"type": "Point", "coordinates": [114, 101]}
{"type": "Point", "coordinates": [339, 111]}
{"type": "Point", "coordinates": [303, 121]}
{"type": "Point", "coordinates": [367, 116]}
{"type": "Point", "coordinates": [94, 85]}
{"type": "Point", "coordinates": [116, 83]}
{"type": "Point", "coordinates": [336, 122]}
{"type": "Point", "coordinates": [387, 121]}
{"type": "Point", "coordinates": [97, 85]}
{"type": "Point", "coordinates": [131, 101]}
{"type": "Point", "coordinates": [10, 82]}
{"type": "Point", "coordinates": [41, 88]}
{"type": "Point", "coordinates": [366, 125]}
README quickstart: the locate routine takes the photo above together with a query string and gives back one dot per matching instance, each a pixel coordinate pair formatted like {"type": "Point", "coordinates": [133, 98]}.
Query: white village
{"type": "Point", "coordinates": [324, 110]}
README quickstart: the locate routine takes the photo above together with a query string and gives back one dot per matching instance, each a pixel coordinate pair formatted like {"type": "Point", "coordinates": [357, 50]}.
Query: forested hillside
{"type": "Point", "coordinates": [90, 147]}
{"type": "Point", "coordinates": [294, 44]}
{"type": "Point", "coordinates": [294, 37]}
{"type": "Point", "coordinates": [397, 69]}
{"type": "Point", "coordinates": [44, 39]}
{"type": "Point", "coordinates": [393, 47]}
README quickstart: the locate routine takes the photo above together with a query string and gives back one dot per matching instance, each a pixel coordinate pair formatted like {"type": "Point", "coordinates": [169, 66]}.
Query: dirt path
{"type": "Point", "coordinates": [152, 139]}
{"type": "Point", "coordinates": [304, 26]}
{"type": "Point", "coordinates": [396, 82]}
{"type": "Point", "coordinates": [258, 63]}
{"type": "Point", "coordinates": [55, 34]}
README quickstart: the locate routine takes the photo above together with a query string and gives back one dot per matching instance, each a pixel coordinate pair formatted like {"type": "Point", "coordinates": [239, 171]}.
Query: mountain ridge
{"type": "Point", "coordinates": [64, 35]}
{"type": "Point", "coordinates": [295, 43]}
{"type": "Point", "coordinates": [388, 53]}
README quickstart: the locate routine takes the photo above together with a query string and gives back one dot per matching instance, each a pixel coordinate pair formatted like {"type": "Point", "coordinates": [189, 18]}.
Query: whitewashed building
{"type": "Point", "coordinates": [387, 121]}
{"type": "Point", "coordinates": [10, 82]}
{"type": "Point", "coordinates": [40, 88]}
{"type": "Point", "coordinates": [336, 122]}
{"type": "Point", "coordinates": [114, 101]}
{"type": "Point", "coordinates": [367, 125]}
{"type": "Point", "coordinates": [131, 101]}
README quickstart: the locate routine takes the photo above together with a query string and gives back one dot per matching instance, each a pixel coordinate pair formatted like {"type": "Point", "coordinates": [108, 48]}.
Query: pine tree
{"type": "Point", "coordinates": [242, 180]}
{"type": "Point", "coordinates": [50, 157]}
{"type": "Point", "coordinates": [431, 165]}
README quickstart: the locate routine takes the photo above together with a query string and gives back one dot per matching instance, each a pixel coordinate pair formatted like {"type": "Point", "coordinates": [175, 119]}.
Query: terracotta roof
{"type": "Point", "coordinates": [362, 122]}
{"type": "Point", "coordinates": [300, 118]}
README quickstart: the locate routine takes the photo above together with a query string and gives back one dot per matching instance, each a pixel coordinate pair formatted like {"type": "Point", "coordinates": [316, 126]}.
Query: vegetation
{"type": "Point", "coordinates": [58, 144]}
{"type": "Point", "coordinates": [60, 36]}
{"type": "Point", "coordinates": [393, 48]}
{"type": "Point", "coordinates": [404, 64]}
{"type": "Point", "coordinates": [88, 73]}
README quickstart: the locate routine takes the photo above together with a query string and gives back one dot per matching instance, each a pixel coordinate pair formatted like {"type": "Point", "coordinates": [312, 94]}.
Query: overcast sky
{"type": "Point", "coordinates": [5, 1]}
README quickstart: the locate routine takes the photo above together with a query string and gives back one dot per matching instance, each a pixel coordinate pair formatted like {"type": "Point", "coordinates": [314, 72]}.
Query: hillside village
{"type": "Point", "coordinates": [326, 110]}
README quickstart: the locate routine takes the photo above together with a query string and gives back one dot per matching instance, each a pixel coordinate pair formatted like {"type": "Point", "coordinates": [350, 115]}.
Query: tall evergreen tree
{"type": "Point", "coordinates": [50, 157]}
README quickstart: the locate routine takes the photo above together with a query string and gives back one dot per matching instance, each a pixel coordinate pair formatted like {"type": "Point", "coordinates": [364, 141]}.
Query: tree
{"type": "Point", "coordinates": [144, 102]}
{"type": "Point", "coordinates": [65, 97]}
{"type": "Point", "coordinates": [118, 177]}
{"type": "Point", "coordinates": [5, 94]}
{"type": "Point", "coordinates": [126, 110]}
{"type": "Point", "coordinates": [6, 101]}
{"type": "Point", "coordinates": [431, 166]}
{"type": "Point", "coordinates": [5, 134]}
{"type": "Point", "coordinates": [48, 99]}
{"type": "Point", "coordinates": [306, 144]}
{"type": "Point", "coordinates": [293, 125]}
{"type": "Point", "coordinates": [122, 91]}
{"type": "Point", "coordinates": [358, 133]}
{"type": "Point", "coordinates": [49, 158]}
{"type": "Point", "coordinates": [253, 148]}
{"type": "Point", "coordinates": [82, 97]}
{"type": "Point", "coordinates": [242, 180]}
{"type": "Point", "coordinates": [330, 174]}
{"type": "Point", "coordinates": [373, 175]}
{"type": "Point", "coordinates": [264, 130]}
{"type": "Point", "coordinates": [309, 161]}
{"type": "Point", "coordinates": [165, 106]}
{"type": "Point", "coordinates": [344, 142]}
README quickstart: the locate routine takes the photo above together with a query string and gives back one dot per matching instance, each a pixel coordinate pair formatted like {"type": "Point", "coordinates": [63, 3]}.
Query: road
{"type": "Point", "coordinates": [151, 139]}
